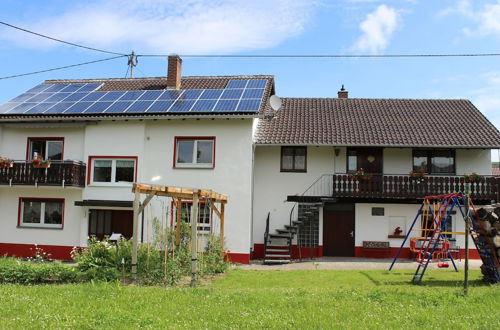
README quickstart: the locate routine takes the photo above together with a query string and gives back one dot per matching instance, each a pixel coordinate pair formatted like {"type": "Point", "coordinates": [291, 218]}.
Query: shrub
{"type": "Point", "coordinates": [28, 272]}
{"type": "Point", "coordinates": [213, 260]}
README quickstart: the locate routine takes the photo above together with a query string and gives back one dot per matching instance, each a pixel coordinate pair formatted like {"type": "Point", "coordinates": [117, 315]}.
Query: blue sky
{"type": "Point", "coordinates": [268, 27]}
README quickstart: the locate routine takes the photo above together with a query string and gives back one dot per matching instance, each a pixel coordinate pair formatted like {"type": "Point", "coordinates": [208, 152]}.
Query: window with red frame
{"type": "Point", "coordinates": [47, 148]}
{"type": "Point", "coordinates": [46, 213]}
{"type": "Point", "coordinates": [194, 152]}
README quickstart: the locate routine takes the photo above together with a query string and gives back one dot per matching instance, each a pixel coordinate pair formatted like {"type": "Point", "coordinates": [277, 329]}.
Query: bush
{"type": "Point", "coordinates": [28, 272]}
{"type": "Point", "coordinates": [214, 260]}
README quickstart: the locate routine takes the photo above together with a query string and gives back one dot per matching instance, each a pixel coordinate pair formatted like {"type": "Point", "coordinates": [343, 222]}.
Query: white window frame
{"type": "Point", "coordinates": [195, 148]}
{"type": "Point", "coordinates": [42, 223]}
{"type": "Point", "coordinates": [201, 227]}
{"type": "Point", "coordinates": [113, 172]}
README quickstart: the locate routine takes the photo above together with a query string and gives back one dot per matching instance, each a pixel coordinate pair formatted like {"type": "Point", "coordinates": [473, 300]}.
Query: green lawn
{"type": "Point", "coordinates": [261, 299]}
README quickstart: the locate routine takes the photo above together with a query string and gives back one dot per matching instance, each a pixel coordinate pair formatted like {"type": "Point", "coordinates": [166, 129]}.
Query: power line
{"type": "Point", "coordinates": [59, 40]}
{"type": "Point", "coordinates": [328, 55]}
{"type": "Point", "coordinates": [62, 67]}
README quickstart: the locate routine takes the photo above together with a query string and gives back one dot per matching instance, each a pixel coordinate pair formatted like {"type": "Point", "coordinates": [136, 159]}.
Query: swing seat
{"type": "Point", "coordinates": [443, 265]}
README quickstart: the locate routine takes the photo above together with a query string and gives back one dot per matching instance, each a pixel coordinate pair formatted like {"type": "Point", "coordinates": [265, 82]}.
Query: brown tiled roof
{"type": "Point", "coordinates": [378, 122]}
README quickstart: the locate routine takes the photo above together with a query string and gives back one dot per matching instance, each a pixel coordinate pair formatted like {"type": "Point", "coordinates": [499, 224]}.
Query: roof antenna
{"type": "Point", "coordinates": [342, 89]}
{"type": "Point", "coordinates": [132, 62]}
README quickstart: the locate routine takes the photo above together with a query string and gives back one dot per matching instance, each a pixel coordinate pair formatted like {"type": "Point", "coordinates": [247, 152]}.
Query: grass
{"type": "Point", "coordinates": [261, 299]}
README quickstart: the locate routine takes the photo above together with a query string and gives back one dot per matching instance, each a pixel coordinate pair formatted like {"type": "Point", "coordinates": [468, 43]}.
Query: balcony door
{"type": "Point", "coordinates": [368, 159]}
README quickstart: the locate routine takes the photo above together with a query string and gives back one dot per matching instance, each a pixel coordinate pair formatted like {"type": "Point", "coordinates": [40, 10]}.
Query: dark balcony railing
{"type": "Point", "coordinates": [401, 187]}
{"type": "Point", "coordinates": [60, 173]}
{"type": "Point", "coordinates": [396, 187]}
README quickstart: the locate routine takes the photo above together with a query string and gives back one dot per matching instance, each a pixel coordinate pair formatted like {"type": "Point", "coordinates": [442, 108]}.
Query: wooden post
{"type": "Point", "coordinates": [137, 204]}
{"type": "Point", "coordinates": [466, 266]}
{"type": "Point", "coordinates": [178, 225]}
{"type": "Point", "coordinates": [222, 209]}
{"type": "Point", "coordinates": [194, 239]}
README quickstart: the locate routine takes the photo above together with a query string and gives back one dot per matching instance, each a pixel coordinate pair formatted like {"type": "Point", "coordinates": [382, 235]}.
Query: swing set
{"type": "Point", "coordinates": [433, 244]}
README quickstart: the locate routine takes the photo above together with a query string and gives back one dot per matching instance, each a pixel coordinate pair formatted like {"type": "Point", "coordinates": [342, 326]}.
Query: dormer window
{"type": "Point", "coordinates": [47, 148]}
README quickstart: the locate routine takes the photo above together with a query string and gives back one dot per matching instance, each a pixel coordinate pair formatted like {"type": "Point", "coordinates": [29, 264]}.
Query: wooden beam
{"type": "Point", "coordinates": [135, 234]}
{"type": "Point", "coordinates": [222, 210]}
{"type": "Point", "coordinates": [194, 240]}
{"type": "Point", "coordinates": [214, 208]}
{"type": "Point", "coordinates": [178, 225]}
{"type": "Point", "coordinates": [146, 201]}
{"type": "Point", "coordinates": [184, 193]}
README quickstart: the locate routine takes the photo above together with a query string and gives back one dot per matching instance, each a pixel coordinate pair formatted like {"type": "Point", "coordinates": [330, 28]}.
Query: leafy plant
{"type": "Point", "coordinates": [473, 177]}
{"type": "Point", "coordinates": [418, 175]}
{"type": "Point", "coordinates": [360, 175]}
{"type": "Point", "coordinates": [19, 271]}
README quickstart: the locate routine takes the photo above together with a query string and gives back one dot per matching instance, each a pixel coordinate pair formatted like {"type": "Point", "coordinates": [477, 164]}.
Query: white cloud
{"type": "Point", "coordinates": [377, 30]}
{"type": "Point", "coordinates": [486, 18]}
{"type": "Point", "coordinates": [173, 26]}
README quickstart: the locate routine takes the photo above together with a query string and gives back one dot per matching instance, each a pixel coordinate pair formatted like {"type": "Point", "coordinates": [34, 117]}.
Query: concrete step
{"type": "Point", "coordinates": [276, 261]}
{"type": "Point", "coordinates": [276, 256]}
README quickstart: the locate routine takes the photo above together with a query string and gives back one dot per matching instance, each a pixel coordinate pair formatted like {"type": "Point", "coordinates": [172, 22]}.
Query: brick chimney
{"type": "Point", "coordinates": [342, 93]}
{"type": "Point", "coordinates": [174, 73]}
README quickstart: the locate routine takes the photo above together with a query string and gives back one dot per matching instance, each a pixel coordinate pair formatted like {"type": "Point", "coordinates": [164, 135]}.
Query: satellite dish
{"type": "Point", "coordinates": [275, 102]}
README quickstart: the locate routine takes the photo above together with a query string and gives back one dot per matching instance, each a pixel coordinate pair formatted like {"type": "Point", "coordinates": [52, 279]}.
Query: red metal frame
{"type": "Point", "coordinates": [41, 199]}
{"type": "Point", "coordinates": [90, 165]}
{"type": "Point", "coordinates": [177, 138]}
{"type": "Point", "coordinates": [50, 138]}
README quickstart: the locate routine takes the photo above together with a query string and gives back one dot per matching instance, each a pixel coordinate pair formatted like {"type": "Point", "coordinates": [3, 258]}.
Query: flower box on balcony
{"type": "Point", "coordinates": [6, 163]}
{"type": "Point", "coordinates": [39, 162]}
{"type": "Point", "coordinates": [360, 175]}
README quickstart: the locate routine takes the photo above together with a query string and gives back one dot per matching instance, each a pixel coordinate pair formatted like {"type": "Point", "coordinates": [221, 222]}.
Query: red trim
{"type": "Point", "coordinates": [239, 258]}
{"type": "Point", "coordinates": [58, 252]}
{"type": "Point", "coordinates": [359, 252]}
{"type": "Point", "coordinates": [177, 138]}
{"type": "Point", "coordinates": [19, 225]}
{"type": "Point", "coordinates": [89, 166]}
{"type": "Point", "coordinates": [305, 252]}
{"type": "Point", "coordinates": [30, 138]}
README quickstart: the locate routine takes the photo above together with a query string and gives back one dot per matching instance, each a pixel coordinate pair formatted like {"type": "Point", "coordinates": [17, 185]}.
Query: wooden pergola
{"type": "Point", "coordinates": [178, 195]}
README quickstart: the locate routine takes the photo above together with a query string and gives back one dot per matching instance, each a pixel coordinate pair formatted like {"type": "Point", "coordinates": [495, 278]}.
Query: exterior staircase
{"type": "Point", "coordinates": [278, 245]}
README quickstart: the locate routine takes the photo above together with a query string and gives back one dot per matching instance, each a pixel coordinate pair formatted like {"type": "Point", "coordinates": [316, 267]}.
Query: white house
{"type": "Point", "coordinates": [220, 133]}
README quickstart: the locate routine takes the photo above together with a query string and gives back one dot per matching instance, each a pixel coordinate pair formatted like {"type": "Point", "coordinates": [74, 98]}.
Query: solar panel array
{"type": "Point", "coordinates": [240, 95]}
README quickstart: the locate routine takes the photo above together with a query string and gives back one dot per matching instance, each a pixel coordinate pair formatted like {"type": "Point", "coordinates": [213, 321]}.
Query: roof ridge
{"type": "Point", "coordinates": [368, 98]}
{"type": "Point", "coordinates": [162, 78]}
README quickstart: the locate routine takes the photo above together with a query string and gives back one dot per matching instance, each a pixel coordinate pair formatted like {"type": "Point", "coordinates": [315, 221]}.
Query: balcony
{"type": "Point", "coordinates": [65, 173]}
{"type": "Point", "coordinates": [396, 187]}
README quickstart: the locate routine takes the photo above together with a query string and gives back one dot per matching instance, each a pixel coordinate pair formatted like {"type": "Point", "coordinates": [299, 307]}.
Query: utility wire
{"type": "Point", "coordinates": [62, 67]}
{"type": "Point", "coordinates": [59, 40]}
{"type": "Point", "coordinates": [328, 55]}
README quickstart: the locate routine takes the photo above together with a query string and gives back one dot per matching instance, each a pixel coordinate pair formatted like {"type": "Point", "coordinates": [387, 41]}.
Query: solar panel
{"type": "Point", "coordinates": [203, 105]}
{"type": "Point", "coordinates": [239, 95]}
{"type": "Point", "coordinates": [140, 106]}
{"type": "Point", "coordinates": [98, 107]}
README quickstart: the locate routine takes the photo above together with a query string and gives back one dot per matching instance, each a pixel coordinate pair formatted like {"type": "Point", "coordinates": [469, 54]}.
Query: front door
{"type": "Point", "coordinates": [338, 231]}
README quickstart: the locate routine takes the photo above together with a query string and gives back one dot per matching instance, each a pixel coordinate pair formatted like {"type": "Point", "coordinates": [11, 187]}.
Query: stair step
{"type": "Point", "coordinates": [284, 231]}
{"type": "Point", "coordinates": [280, 236]}
{"type": "Point", "coordinates": [277, 261]}
{"type": "Point", "coordinates": [297, 222]}
{"type": "Point", "coordinates": [291, 227]}
{"type": "Point", "coordinates": [277, 250]}
{"type": "Point", "coordinates": [277, 256]}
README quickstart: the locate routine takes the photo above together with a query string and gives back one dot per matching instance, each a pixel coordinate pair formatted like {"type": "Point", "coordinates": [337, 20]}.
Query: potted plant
{"type": "Point", "coordinates": [6, 162]}
{"type": "Point", "coordinates": [360, 175]}
{"type": "Point", "coordinates": [473, 177]}
{"type": "Point", "coordinates": [417, 175]}
{"type": "Point", "coordinates": [39, 162]}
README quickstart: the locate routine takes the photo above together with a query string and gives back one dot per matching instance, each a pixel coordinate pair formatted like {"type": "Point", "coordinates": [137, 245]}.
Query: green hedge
{"type": "Point", "coordinates": [29, 272]}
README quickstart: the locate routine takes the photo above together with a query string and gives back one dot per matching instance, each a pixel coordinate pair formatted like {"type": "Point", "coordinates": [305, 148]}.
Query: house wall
{"type": "Point", "coordinates": [152, 142]}
{"type": "Point", "coordinates": [19, 240]}
{"type": "Point", "coordinates": [14, 141]}
{"type": "Point", "coordinates": [271, 187]}
{"type": "Point", "coordinates": [377, 228]}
